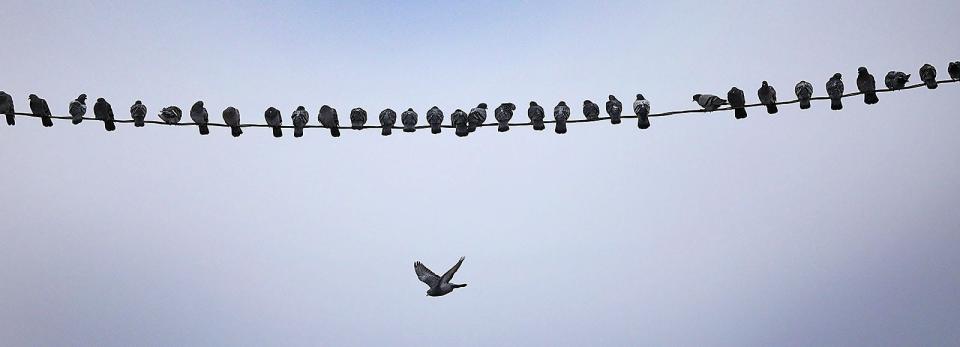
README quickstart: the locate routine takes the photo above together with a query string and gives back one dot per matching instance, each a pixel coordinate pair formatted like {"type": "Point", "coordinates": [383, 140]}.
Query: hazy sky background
{"type": "Point", "coordinates": [804, 228]}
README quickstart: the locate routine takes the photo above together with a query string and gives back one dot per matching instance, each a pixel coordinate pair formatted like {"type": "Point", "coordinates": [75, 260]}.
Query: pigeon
{"type": "Point", "coordinates": [300, 118]}
{"type": "Point", "coordinates": [138, 111]}
{"type": "Point", "coordinates": [896, 80]}
{"type": "Point", "coordinates": [709, 102]}
{"type": "Point", "coordinates": [590, 110]}
{"type": "Point", "coordinates": [435, 118]}
{"type": "Point", "coordinates": [231, 116]}
{"type": "Point", "coordinates": [6, 108]}
{"type": "Point", "coordinates": [171, 115]}
{"type": "Point", "coordinates": [78, 108]}
{"type": "Point", "coordinates": [409, 120]}
{"type": "Point", "coordinates": [358, 117]}
{"type": "Point", "coordinates": [561, 113]}
{"type": "Point", "coordinates": [768, 96]}
{"type": "Point", "coordinates": [535, 113]}
{"type": "Point", "coordinates": [835, 91]}
{"type": "Point", "coordinates": [503, 114]}
{"type": "Point", "coordinates": [867, 85]}
{"type": "Point", "coordinates": [928, 74]}
{"type": "Point", "coordinates": [274, 119]}
{"type": "Point", "coordinates": [328, 118]}
{"type": "Point", "coordinates": [439, 285]}
{"type": "Point", "coordinates": [804, 91]}
{"type": "Point", "coordinates": [954, 70]}
{"type": "Point", "coordinates": [388, 119]}
{"type": "Point", "coordinates": [199, 115]}
{"type": "Point", "coordinates": [103, 111]}
{"type": "Point", "coordinates": [476, 117]}
{"type": "Point", "coordinates": [460, 121]}
{"type": "Point", "coordinates": [614, 109]}
{"type": "Point", "coordinates": [737, 101]}
{"type": "Point", "coordinates": [641, 107]}
{"type": "Point", "coordinates": [40, 108]}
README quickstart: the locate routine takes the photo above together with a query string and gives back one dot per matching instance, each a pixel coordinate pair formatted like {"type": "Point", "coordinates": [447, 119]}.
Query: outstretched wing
{"type": "Point", "coordinates": [425, 275]}
{"type": "Point", "coordinates": [449, 274]}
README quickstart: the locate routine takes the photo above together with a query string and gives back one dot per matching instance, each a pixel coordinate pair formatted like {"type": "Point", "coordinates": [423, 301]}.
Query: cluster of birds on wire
{"type": "Point", "coordinates": [466, 123]}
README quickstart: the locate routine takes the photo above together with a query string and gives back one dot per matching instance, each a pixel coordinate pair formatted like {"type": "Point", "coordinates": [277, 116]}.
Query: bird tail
{"type": "Point", "coordinates": [931, 84]}
{"type": "Point", "coordinates": [236, 131]}
{"type": "Point", "coordinates": [503, 127]}
{"type": "Point", "coordinates": [277, 132]}
{"type": "Point", "coordinates": [204, 130]}
{"type": "Point", "coordinates": [836, 104]}
{"type": "Point", "coordinates": [435, 128]}
{"type": "Point", "coordinates": [77, 120]}
{"type": "Point", "coordinates": [740, 113]}
{"type": "Point", "coordinates": [407, 129]}
{"type": "Point", "coordinates": [458, 285]}
{"type": "Point", "coordinates": [538, 125]}
{"type": "Point", "coordinates": [11, 120]}
{"type": "Point", "coordinates": [109, 125]}
{"type": "Point", "coordinates": [471, 128]}
{"type": "Point", "coordinates": [462, 131]}
{"type": "Point", "coordinates": [804, 104]}
{"type": "Point", "coordinates": [386, 131]}
{"type": "Point", "coordinates": [561, 127]}
{"type": "Point", "coordinates": [643, 122]}
{"type": "Point", "coordinates": [771, 108]}
{"type": "Point", "coordinates": [298, 132]}
{"type": "Point", "coordinates": [47, 122]}
{"type": "Point", "coordinates": [615, 119]}
{"type": "Point", "coordinates": [357, 126]}
{"type": "Point", "coordinates": [334, 131]}
{"type": "Point", "coordinates": [138, 122]}
{"type": "Point", "coordinates": [870, 98]}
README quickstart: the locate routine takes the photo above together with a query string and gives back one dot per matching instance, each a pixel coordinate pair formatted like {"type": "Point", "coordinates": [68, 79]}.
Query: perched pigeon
{"type": "Point", "coordinates": [328, 118]}
{"type": "Point", "coordinates": [358, 117]}
{"type": "Point", "coordinates": [435, 119]}
{"type": "Point", "coordinates": [439, 285]}
{"type": "Point", "coordinates": [641, 107]}
{"type": "Point", "coordinates": [535, 113]}
{"type": "Point", "coordinates": [138, 111]}
{"type": "Point", "coordinates": [867, 85]}
{"type": "Point", "coordinates": [804, 91]}
{"type": "Point", "coordinates": [737, 101]}
{"type": "Point", "coordinates": [300, 119]}
{"type": "Point", "coordinates": [388, 119]}
{"type": "Point", "coordinates": [199, 115]}
{"type": "Point", "coordinates": [476, 117]}
{"type": "Point", "coordinates": [40, 108]}
{"type": "Point", "coordinates": [561, 113]}
{"type": "Point", "coordinates": [460, 121]}
{"type": "Point", "coordinates": [78, 108]}
{"type": "Point", "coordinates": [6, 108]}
{"type": "Point", "coordinates": [709, 102]}
{"type": "Point", "coordinates": [835, 91]}
{"type": "Point", "coordinates": [503, 114]}
{"type": "Point", "coordinates": [274, 119]}
{"type": "Point", "coordinates": [614, 109]}
{"type": "Point", "coordinates": [768, 96]}
{"type": "Point", "coordinates": [231, 116]}
{"type": "Point", "coordinates": [896, 80]}
{"type": "Point", "coordinates": [590, 110]}
{"type": "Point", "coordinates": [409, 120]}
{"type": "Point", "coordinates": [954, 70]}
{"type": "Point", "coordinates": [171, 115]}
{"type": "Point", "coordinates": [103, 111]}
{"type": "Point", "coordinates": [928, 74]}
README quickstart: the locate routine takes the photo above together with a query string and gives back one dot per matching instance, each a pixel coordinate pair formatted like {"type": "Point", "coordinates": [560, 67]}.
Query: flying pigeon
{"type": "Point", "coordinates": [737, 101]}
{"type": "Point", "coordinates": [896, 80]}
{"type": "Point", "coordinates": [104, 112]}
{"type": "Point", "coordinates": [138, 111]}
{"type": "Point", "coordinates": [768, 96]}
{"type": "Point", "coordinates": [804, 91]}
{"type": "Point", "coordinates": [928, 74]}
{"type": "Point", "coordinates": [835, 91]}
{"type": "Point", "coordinates": [328, 118]}
{"type": "Point", "coordinates": [171, 115]}
{"type": "Point", "coordinates": [388, 119]}
{"type": "Point", "coordinates": [590, 110]}
{"type": "Point", "coordinates": [6, 108]}
{"type": "Point", "coordinates": [535, 113]}
{"type": "Point", "coordinates": [561, 113]}
{"type": "Point", "coordinates": [199, 115]}
{"type": "Point", "coordinates": [358, 117]}
{"type": "Point", "coordinates": [300, 118]}
{"type": "Point", "coordinates": [274, 119]}
{"type": "Point", "coordinates": [476, 117]}
{"type": "Point", "coordinates": [439, 285]}
{"type": "Point", "coordinates": [409, 120]}
{"type": "Point", "coordinates": [709, 102]}
{"type": "Point", "coordinates": [459, 120]}
{"type": "Point", "coordinates": [641, 107]}
{"type": "Point", "coordinates": [614, 109]}
{"type": "Point", "coordinates": [954, 70]}
{"type": "Point", "coordinates": [435, 119]}
{"type": "Point", "coordinates": [78, 108]}
{"type": "Point", "coordinates": [231, 116]}
{"type": "Point", "coordinates": [39, 107]}
{"type": "Point", "coordinates": [867, 85]}
{"type": "Point", "coordinates": [503, 114]}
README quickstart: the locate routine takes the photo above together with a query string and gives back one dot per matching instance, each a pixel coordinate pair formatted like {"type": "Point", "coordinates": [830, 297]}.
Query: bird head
{"type": "Point", "coordinates": [696, 97]}
{"type": "Point", "coordinates": [482, 105]}
{"type": "Point", "coordinates": [82, 97]}
{"type": "Point", "coordinates": [199, 103]}
{"type": "Point", "coordinates": [32, 97]}
{"type": "Point", "coordinates": [101, 100]}
{"type": "Point", "coordinates": [301, 108]}
{"type": "Point", "coordinates": [765, 84]}
{"type": "Point", "coordinates": [862, 70]}
{"type": "Point", "coordinates": [586, 102]}
{"type": "Point", "coordinates": [562, 103]}
{"type": "Point", "coordinates": [137, 103]}
{"type": "Point", "coordinates": [533, 103]}
{"type": "Point", "coordinates": [611, 97]}
{"type": "Point", "coordinates": [837, 75]}
{"type": "Point", "coordinates": [640, 97]}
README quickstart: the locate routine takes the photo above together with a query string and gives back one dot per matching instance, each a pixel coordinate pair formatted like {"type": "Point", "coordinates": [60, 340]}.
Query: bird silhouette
{"type": "Point", "coordinates": [200, 116]}
{"type": "Point", "coordinates": [928, 74]}
{"type": "Point", "coordinates": [7, 109]}
{"type": "Point", "coordinates": [804, 91]}
{"type": "Point", "coordinates": [171, 115]}
{"type": "Point", "coordinates": [614, 109]}
{"type": "Point", "coordinates": [954, 70]}
{"type": "Point", "coordinates": [709, 102]}
{"type": "Point", "coordinates": [737, 101]}
{"type": "Point", "coordinates": [358, 117]}
{"type": "Point", "coordinates": [300, 118]}
{"type": "Point", "coordinates": [535, 113]}
{"type": "Point", "coordinates": [460, 121]}
{"type": "Point", "coordinates": [476, 117]}
{"type": "Point", "coordinates": [388, 118]}
{"type": "Point", "coordinates": [503, 114]}
{"type": "Point", "coordinates": [435, 119]}
{"type": "Point", "coordinates": [561, 113]}
{"type": "Point", "coordinates": [835, 91]}
{"type": "Point", "coordinates": [39, 107]}
{"type": "Point", "coordinates": [78, 108]}
{"type": "Point", "coordinates": [274, 119]}
{"type": "Point", "coordinates": [591, 110]}
{"type": "Point", "coordinates": [439, 285]}
{"type": "Point", "coordinates": [328, 118]}
{"type": "Point", "coordinates": [641, 107]}
{"type": "Point", "coordinates": [138, 111]}
{"type": "Point", "coordinates": [896, 80]}
{"type": "Point", "coordinates": [768, 96]}
{"type": "Point", "coordinates": [867, 85]}
{"type": "Point", "coordinates": [231, 116]}
{"type": "Point", "coordinates": [409, 120]}
{"type": "Point", "coordinates": [103, 111]}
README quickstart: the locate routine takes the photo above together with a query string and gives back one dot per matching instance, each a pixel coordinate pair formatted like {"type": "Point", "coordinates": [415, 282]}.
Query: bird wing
{"type": "Point", "coordinates": [447, 276]}
{"type": "Point", "coordinates": [425, 275]}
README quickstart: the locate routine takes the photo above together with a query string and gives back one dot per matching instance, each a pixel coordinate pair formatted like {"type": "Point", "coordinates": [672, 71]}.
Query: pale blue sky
{"type": "Point", "coordinates": [804, 228]}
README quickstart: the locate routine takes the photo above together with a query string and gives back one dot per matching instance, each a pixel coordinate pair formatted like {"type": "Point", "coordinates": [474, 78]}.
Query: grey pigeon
{"type": "Point", "coordinates": [358, 117]}
{"type": "Point", "coordinates": [867, 85]}
{"type": "Point", "coordinates": [641, 107]}
{"type": "Point", "coordinates": [591, 110]}
{"type": "Point", "coordinates": [768, 96]}
{"type": "Point", "coordinates": [138, 111]}
{"type": "Point", "coordinates": [40, 108]}
{"type": "Point", "coordinates": [103, 111]}
{"type": "Point", "coordinates": [476, 117]}
{"type": "Point", "coordinates": [928, 74]}
{"type": "Point", "coordinates": [737, 101]}
{"type": "Point", "coordinates": [835, 91]}
{"type": "Point", "coordinates": [503, 114]}
{"type": "Point", "coordinates": [274, 119]}
{"type": "Point", "coordinates": [328, 118]}
{"type": "Point", "coordinates": [435, 119]}
{"type": "Point", "coordinates": [896, 80]}
{"type": "Point", "coordinates": [535, 113]}
{"type": "Point", "coordinates": [460, 122]}
{"type": "Point", "coordinates": [200, 116]}
{"type": "Point", "coordinates": [954, 70]}
{"type": "Point", "coordinates": [231, 116]}
{"type": "Point", "coordinates": [561, 113]}
{"type": "Point", "coordinates": [614, 109]}
{"type": "Point", "coordinates": [709, 102]}
{"type": "Point", "coordinates": [804, 91]}
{"type": "Point", "coordinates": [388, 119]}
{"type": "Point", "coordinates": [409, 120]}
{"type": "Point", "coordinates": [6, 108]}
{"type": "Point", "coordinates": [439, 285]}
{"type": "Point", "coordinates": [300, 119]}
{"type": "Point", "coordinates": [78, 108]}
{"type": "Point", "coordinates": [171, 115]}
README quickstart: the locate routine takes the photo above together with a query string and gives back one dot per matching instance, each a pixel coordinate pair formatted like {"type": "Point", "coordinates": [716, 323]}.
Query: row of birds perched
{"type": "Point", "coordinates": [466, 123]}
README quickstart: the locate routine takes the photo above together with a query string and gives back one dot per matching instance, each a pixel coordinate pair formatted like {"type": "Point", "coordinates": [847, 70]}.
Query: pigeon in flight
{"type": "Point", "coordinates": [328, 118]}
{"type": "Point", "coordinates": [103, 111]}
{"type": "Point", "coordinates": [460, 121]}
{"type": "Point", "coordinates": [199, 115]}
{"type": "Point", "coordinates": [737, 101]}
{"type": "Point", "coordinates": [954, 70]}
{"type": "Point", "coordinates": [561, 113]}
{"type": "Point", "coordinates": [867, 85]}
{"type": "Point", "coordinates": [614, 109]}
{"type": "Point", "coordinates": [171, 114]}
{"type": "Point", "coordinates": [6, 108]}
{"type": "Point", "coordinates": [39, 107]}
{"type": "Point", "coordinates": [138, 111]}
{"type": "Point", "coordinates": [78, 108]}
{"type": "Point", "coordinates": [300, 118]}
{"type": "Point", "coordinates": [590, 110]}
{"type": "Point", "coordinates": [835, 91]}
{"type": "Point", "coordinates": [709, 102]}
{"type": "Point", "coordinates": [476, 117]}
{"type": "Point", "coordinates": [409, 120]}
{"type": "Point", "coordinates": [274, 119]}
{"type": "Point", "coordinates": [535, 113]}
{"type": "Point", "coordinates": [928, 74]}
{"type": "Point", "coordinates": [231, 116]}
{"type": "Point", "coordinates": [896, 80]}
{"type": "Point", "coordinates": [358, 117]}
{"type": "Point", "coordinates": [503, 114]}
{"type": "Point", "coordinates": [641, 107]}
{"type": "Point", "coordinates": [439, 285]}
{"type": "Point", "coordinates": [388, 119]}
{"type": "Point", "coordinates": [768, 96]}
{"type": "Point", "coordinates": [435, 119]}
{"type": "Point", "coordinates": [804, 91]}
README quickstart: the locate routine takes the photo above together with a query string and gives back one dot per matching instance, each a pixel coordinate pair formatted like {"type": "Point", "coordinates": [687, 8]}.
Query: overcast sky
{"type": "Point", "coordinates": [804, 228]}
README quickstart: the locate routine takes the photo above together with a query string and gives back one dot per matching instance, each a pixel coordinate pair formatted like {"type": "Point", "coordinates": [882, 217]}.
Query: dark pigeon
{"type": "Point", "coordinates": [40, 108]}
{"type": "Point", "coordinates": [358, 118]}
{"type": "Point", "coordinates": [231, 116]}
{"type": "Point", "coordinates": [591, 110]}
{"type": "Point", "coordinates": [200, 116]}
{"type": "Point", "coordinates": [409, 120]}
{"type": "Point", "coordinates": [804, 91]}
{"type": "Point", "coordinates": [388, 119]}
{"type": "Point", "coordinates": [641, 107]}
{"type": "Point", "coordinates": [439, 285]}
{"type": "Point", "coordinates": [503, 114]}
{"type": "Point", "coordinates": [928, 74]}
{"type": "Point", "coordinates": [274, 119]}
{"type": "Point", "coordinates": [768, 96]}
{"type": "Point", "coordinates": [138, 111]}
{"type": "Point", "coordinates": [300, 119]}
{"type": "Point", "coordinates": [460, 122]}
{"type": "Point", "coordinates": [328, 118]}
{"type": "Point", "coordinates": [896, 80]}
{"type": "Point", "coordinates": [103, 111]}
{"type": "Point", "coordinates": [535, 113]}
{"type": "Point", "coordinates": [435, 119]}
{"type": "Point", "coordinates": [954, 70]}
{"type": "Point", "coordinates": [78, 108]}
{"type": "Point", "coordinates": [835, 91]}
{"type": "Point", "coordinates": [476, 117]}
{"type": "Point", "coordinates": [171, 115]}
{"type": "Point", "coordinates": [561, 113]}
{"type": "Point", "coordinates": [614, 109]}
{"type": "Point", "coordinates": [709, 102]}
{"type": "Point", "coordinates": [737, 101]}
{"type": "Point", "coordinates": [867, 85]}
{"type": "Point", "coordinates": [6, 108]}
